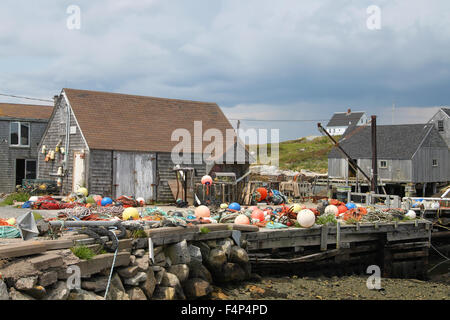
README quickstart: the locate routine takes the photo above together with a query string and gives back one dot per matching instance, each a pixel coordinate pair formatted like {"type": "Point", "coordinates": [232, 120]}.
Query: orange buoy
{"type": "Point", "coordinates": [342, 209]}
{"type": "Point", "coordinates": [258, 214]}
{"type": "Point", "coordinates": [242, 219]}
{"type": "Point", "coordinates": [202, 212]}
{"type": "Point", "coordinates": [263, 194]}
{"type": "Point", "coordinates": [207, 180]}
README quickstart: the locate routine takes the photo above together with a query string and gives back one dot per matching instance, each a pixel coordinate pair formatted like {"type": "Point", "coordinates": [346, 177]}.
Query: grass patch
{"type": "Point", "coordinates": [329, 218]}
{"type": "Point", "coordinates": [204, 230]}
{"type": "Point", "coordinates": [135, 234]}
{"type": "Point", "coordinates": [304, 154]}
{"type": "Point", "coordinates": [16, 196]}
{"type": "Point", "coordinates": [83, 252]}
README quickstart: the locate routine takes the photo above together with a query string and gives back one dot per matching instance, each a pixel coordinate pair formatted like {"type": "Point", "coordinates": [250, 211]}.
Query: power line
{"type": "Point", "coordinates": [20, 97]}
{"type": "Point", "coordinates": [281, 120]}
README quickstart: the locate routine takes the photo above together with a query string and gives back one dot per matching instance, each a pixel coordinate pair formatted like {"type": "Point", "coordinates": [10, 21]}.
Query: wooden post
{"type": "Point", "coordinates": [374, 155]}
{"type": "Point", "coordinates": [324, 237]}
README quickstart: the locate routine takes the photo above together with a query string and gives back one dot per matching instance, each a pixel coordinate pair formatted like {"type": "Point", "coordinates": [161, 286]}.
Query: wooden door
{"type": "Point", "coordinates": [79, 169]}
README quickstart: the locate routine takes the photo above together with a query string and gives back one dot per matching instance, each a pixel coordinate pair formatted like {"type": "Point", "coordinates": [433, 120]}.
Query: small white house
{"type": "Point", "coordinates": [342, 120]}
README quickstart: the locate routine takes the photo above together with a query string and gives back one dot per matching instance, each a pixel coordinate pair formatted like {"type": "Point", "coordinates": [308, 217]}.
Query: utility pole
{"type": "Point", "coordinates": [374, 155]}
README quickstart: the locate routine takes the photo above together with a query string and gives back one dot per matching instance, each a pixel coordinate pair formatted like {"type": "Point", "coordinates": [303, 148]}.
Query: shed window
{"type": "Point", "coordinates": [440, 124]}
{"type": "Point", "coordinates": [20, 134]}
{"type": "Point", "coordinates": [435, 163]}
{"type": "Point", "coordinates": [383, 164]}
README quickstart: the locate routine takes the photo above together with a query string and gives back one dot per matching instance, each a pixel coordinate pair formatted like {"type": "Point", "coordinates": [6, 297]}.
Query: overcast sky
{"type": "Point", "coordinates": [285, 59]}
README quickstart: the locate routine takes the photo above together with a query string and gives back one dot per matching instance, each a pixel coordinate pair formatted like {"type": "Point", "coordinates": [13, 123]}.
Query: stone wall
{"type": "Point", "coordinates": [184, 270]}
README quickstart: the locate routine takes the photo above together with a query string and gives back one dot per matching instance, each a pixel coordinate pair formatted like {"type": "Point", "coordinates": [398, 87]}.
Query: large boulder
{"type": "Point", "coordinates": [159, 276]}
{"type": "Point", "coordinates": [181, 271]}
{"type": "Point", "coordinates": [179, 253]}
{"type": "Point", "coordinates": [201, 272]}
{"type": "Point", "coordinates": [26, 283]}
{"type": "Point", "coordinates": [239, 256]}
{"type": "Point", "coordinates": [136, 293]}
{"type": "Point", "coordinates": [17, 295]}
{"type": "Point", "coordinates": [196, 255]}
{"type": "Point", "coordinates": [84, 295]}
{"type": "Point", "coordinates": [37, 292]}
{"type": "Point", "coordinates": [225, 245]}
{"type": "Point", "coordinates": [231, 272]}
{"type": "Point", "coordinates": [58, 291]}
{"type": "Point", "coordinates": [217, 258]}
{"type": "Point", "coordinates": [95, 284]}
{"type": "Point", "coordinates": [204, 249]}
{"type": "Point", "coordinates": [164, 293]}
{"type": "Point", "coordinates": [148, 286]}
{"type": "Point", "coordinates": [48, 278]}
{"type": "Point", "coordinates": [171, 280]}
{"type": "Point", "coordinates": [134, 281]}
{"type": "Point", "coordinates": [143, 264]}
{"type": "Point", "coordinates": [196, 288]}
{"type": "Point", "coordinates": [116, 290]}
{"type": "Point", "coordinates": [128, 272]}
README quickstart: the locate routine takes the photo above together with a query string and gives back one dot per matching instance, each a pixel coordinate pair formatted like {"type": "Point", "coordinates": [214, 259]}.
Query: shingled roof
{"type": "Point", "coordinates": [25, 111]}
{"type": "Point", "coordinates": [393, 141]}
{"type": "Point", "coordinates": [447, 111]}
{"type": "Point", "coordinates": [343, 119]}
{"type": "Point", "coordinates": [113, 121]}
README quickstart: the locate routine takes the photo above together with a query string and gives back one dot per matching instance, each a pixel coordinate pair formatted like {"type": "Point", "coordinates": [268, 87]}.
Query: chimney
{"type": "Point", "coordinates": [349, 111]}
{"type": "Point", "coordinates": [55, 99]}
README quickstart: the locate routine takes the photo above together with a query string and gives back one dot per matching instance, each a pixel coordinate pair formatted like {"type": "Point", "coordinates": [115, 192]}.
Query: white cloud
{"type": "Point", "coordinates": [273, 58]}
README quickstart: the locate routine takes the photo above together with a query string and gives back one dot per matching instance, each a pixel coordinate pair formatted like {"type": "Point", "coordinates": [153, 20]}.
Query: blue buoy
{"type": "Point", "coordinates": [106, 201]}
{"type": "Point", "coordinates": [234, 206]}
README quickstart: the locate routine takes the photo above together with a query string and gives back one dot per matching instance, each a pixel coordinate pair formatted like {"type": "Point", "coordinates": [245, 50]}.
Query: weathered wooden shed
{"type": "Point", "coordinates": [119, 144]}
{"type": "Point", "coordinates": [407, 154]}
{"type": "Point", "coordinates": [441, 120]}
{"type": "Point", "coordinates": [21, 129]}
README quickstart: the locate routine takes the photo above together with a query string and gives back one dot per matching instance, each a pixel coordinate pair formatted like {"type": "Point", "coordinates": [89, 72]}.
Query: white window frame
{"type": "Point", "coordinates": [19, 145]}
{"type": "Point", "coordinates": [381, 166]}
{"type": "Point", "coordinates": [433, 163]}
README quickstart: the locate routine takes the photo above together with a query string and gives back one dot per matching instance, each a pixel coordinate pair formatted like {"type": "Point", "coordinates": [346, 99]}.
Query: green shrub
{"type": "Point", "coordinates": [83, 252]}
{"type": "Point", "coordinates": [16, 196]}
{"type": "Point", "coordinates": [329, 218]}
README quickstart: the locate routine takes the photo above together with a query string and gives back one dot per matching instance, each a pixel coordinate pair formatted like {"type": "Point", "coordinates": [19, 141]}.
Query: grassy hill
{"type": "Point", "coordinates": [305, 154]}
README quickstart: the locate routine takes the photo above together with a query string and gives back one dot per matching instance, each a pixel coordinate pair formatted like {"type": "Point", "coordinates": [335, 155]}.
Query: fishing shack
{"type": "Point", "coordinates": [21, 129]}
{"type": "Point", "coordinates": [120, 144]}
{"type": "Point", "coordinates": [410, 157]}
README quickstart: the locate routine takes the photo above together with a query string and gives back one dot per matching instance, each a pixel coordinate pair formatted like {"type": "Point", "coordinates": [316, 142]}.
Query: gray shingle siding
{"type": "Point", "coordinates": [100, 175]}
{"type": "Point", "coordinates": [8, 155]}
{"type": "Point", "coordinates": [57, 131]}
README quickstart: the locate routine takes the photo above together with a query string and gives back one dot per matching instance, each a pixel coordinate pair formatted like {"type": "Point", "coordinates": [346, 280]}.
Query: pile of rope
{"type": "Point", "coordinates": [112, 211]}
{"type": "Point", "coordinates": [9, 232]}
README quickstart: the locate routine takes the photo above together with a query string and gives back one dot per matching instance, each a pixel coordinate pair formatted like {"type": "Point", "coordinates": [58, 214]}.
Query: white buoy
{"type": "Point", "coordinates": [331, 209]}
{"type": "Point", "coordinates": [411, 214]}
{"type": "Point", "coordinates": [306, 218]}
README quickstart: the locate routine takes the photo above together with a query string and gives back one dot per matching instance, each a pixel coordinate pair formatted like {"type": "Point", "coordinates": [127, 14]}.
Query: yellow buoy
{"type": "Point", "coordinates": [83, 191]}
{"type": "Point", "coordinates": [130, 212]}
